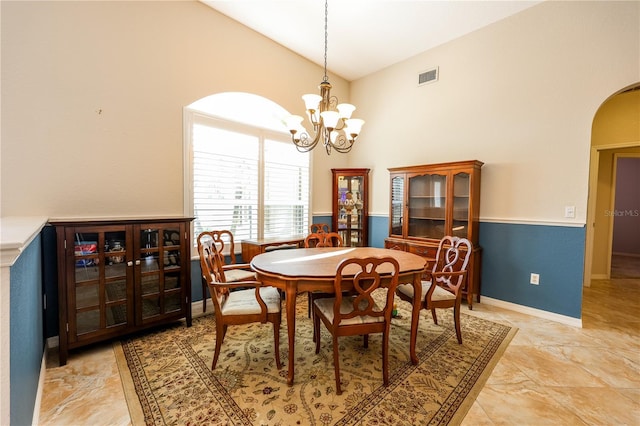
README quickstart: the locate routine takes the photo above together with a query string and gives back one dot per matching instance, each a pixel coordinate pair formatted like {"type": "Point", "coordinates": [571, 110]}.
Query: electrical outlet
{"type": "Point", "coordinates": [535, 279]}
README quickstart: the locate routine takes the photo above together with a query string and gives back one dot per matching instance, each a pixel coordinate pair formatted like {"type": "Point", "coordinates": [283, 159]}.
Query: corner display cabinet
{"type": "Point", "coordinates": [120, 276]}
{"type": "Point", "coordinates": [351, 206]}
{"type": "Point", "coordinates": [431, 201]}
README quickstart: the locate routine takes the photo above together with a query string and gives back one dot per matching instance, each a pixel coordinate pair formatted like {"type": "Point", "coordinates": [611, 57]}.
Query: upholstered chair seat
{"type": "Point", "coordinates": [346, 307]}
{"type": "Point", "coordinates": [233, 275]}
{"type": "Point", "coordinates": [244, 302]}
{"type": "Point", "coordinates": [439, 293]}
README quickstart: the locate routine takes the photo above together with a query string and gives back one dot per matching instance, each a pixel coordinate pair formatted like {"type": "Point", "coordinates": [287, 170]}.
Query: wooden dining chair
{"type": "Point", "coordinates": [321, 239]}
{"type": "Point", "coordinates": [224, 248]}
{"type": "Point", "coordinates": [312, 240]}
{"type": "Point", "coordinates": [358, 313]}
{"type": "Point", "coordinates": [317, 228]}
{"type": "Point", "coordinates": [250, 301]}
{"type": "Point", "coordinates": [443, 287]}
{"type": "Point", "coordinates": [333, 239]}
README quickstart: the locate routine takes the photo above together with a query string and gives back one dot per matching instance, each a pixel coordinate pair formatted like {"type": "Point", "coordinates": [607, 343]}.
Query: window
{"type": "Point", "coordinates": [244, 173]}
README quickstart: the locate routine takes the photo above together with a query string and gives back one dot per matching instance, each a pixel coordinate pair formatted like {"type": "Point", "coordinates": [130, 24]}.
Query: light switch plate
{"type": "Point", "coordinates": [570, 211]}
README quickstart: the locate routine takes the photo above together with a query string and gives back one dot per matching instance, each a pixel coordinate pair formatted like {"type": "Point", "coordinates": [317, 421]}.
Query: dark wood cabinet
{"type": "Point", "coordinates": [350, 213]}
{"type": "Point", "coordinates": [430, 201]}
{"type": "Point", "coordinates": [120, 276]}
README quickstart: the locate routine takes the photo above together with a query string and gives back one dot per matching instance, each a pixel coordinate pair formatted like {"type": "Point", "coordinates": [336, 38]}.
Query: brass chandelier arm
{"type": "Point", "coordinates": [303, 141]}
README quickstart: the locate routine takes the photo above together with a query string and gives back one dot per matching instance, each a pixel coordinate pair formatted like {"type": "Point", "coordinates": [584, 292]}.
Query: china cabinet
{"type": "Point", "coordinates": [119, 276]}
{"type": "Point", "coordinates": [431, 201]}
{"type": "Point", "coordinates": [350, 216]}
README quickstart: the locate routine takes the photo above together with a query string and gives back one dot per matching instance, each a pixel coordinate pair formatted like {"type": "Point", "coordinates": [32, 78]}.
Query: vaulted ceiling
{"type": "Point", "coordinates": [365, 36]}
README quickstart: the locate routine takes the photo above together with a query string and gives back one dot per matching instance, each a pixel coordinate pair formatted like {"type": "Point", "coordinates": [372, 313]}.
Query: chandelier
{"type": "Point", "coordinates": [332, 122]}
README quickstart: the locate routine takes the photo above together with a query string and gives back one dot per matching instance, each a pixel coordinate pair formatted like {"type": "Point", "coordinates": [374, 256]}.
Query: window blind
{"type": "Point", "coordinates": [253, 185]}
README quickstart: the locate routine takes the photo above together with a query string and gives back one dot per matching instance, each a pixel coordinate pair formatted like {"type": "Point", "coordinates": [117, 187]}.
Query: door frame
{"type": "Point", "coordinates": [591, 206]}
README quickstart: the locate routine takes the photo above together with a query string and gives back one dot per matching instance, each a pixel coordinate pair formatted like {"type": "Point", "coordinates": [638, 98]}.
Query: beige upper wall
{"type": "Point", "coordinates": [92, 98]}
{"type": "Point", "coordinates": [520, 95]}
{"type": "Point", "coordinates": [93, 93]}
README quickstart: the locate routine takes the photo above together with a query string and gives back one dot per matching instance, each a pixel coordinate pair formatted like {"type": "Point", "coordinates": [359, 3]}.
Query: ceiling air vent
{"type": "Point", "coordinates": [428, 76]}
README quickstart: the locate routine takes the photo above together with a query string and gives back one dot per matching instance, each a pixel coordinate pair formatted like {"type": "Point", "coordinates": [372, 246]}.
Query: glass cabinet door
{"type": "Point", "coordinates": [397, 205]}
{"type": "Point", "coordinates": [101, 278]}
{"type": "Point", "coordinates": [350, 202]}
{"type": "Point", "coordinates": [461, 191]}
{"type": "Point", "coordinates": [427, 206]}
{"type": "Point", "coordinates": [160, 274]}
{"type": "Point", "coordinates": [350, 206]}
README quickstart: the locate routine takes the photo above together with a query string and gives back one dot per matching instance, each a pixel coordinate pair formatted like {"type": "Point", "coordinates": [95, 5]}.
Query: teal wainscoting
{"type": "Point", "coordinates": [196, 282]}
{"type": "Point", "coordinates": [26, 332]}
{"type": "Point", "coordinates": [511, 252]}
{"type": "Point", "coordinates": [378, 228]}
{"type": "Point", "coordinates": [322, 219]}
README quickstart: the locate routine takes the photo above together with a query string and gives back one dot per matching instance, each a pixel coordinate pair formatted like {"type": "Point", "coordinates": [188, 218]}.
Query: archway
{"type": "Point", "coordinates": [615, 131]}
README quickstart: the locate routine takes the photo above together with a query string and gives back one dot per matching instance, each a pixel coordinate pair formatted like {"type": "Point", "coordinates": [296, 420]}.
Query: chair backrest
{"type": "Point", "coordinates": [333, 239]}
{"type": "Point", "coordinates": [323, 239]}
{"type": "Point", "coordinates": [212, 272]}
{"type": "Point", "coordinates": [224, 243]}
{"type": "Point", "coordinates": [313, 239]}
{"type": "Point", "coordinates": [316, 228]}
{"type": "Point", "coordinates": [452, 259]}
{"type": "Point", "coordinates": [367, 274]}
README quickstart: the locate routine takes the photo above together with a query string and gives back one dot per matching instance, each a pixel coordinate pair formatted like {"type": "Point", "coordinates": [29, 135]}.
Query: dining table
{"type": "Point", "coordinates": [303, 270]}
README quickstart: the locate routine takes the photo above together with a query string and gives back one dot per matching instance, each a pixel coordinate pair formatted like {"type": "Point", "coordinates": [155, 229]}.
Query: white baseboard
{"type": "Point", "coordinates": [38, 402]}
{"type": "Point", "coordinates": [563, 319]}
{"type": "Point", "coordinates": [53, 342]}
{"type": "Point", "coordinates": [599, 277]}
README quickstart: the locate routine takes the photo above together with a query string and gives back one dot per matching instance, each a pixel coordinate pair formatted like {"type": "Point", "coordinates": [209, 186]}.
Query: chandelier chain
{"type": "Point", "coordinates": [326, 14]}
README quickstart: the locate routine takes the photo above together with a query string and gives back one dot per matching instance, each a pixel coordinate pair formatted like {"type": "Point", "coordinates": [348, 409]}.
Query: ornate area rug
{"type": "Point", "coordinates": [168, 379]}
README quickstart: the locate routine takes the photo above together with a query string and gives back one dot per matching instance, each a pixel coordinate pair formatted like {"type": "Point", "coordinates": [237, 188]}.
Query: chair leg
{"type": "Point", "coordinates": [224, 330]}
{"type": "Point", "coordinates": [204, 295]}
{"type": "Point", "coordinates": [456, 320]}
{"type": "Point", "coordinates": [365, 340]}
{"type": "Point", "coordinates": [336, 364]}
{"type": "Point", "coordinates": [316, 331]}
{"type": "Point", "coordinates": [312, 315]}
{"type": "Point", "coordinates": [276, 342]}
{"type": "Point", "coordinates": [220, 332]}
{"type": "Point", "coordinates": [385, 358]}
{"type": "Point", "coordinates": [434, 316]}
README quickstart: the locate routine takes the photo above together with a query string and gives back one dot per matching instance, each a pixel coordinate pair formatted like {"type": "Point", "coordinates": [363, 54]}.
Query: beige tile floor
{"type": "Point", "coordinates": [551, 374]}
